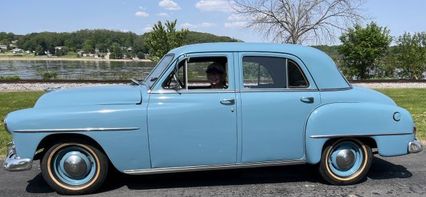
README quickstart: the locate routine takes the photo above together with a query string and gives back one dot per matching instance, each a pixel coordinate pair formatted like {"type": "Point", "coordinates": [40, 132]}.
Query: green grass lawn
{"type": "Point", "coordinates": [412, 99]}
{"type": "Point", "coordinates": [11, 101]}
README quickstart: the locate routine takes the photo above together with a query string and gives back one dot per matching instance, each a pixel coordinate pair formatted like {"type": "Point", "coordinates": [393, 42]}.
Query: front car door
{"type": "Point", "coordinates": [190, 121]}
{"type": "Point", "coordinates": [277, 96]}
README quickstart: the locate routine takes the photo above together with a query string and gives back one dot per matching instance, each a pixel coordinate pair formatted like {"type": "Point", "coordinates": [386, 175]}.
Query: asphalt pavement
{"type": "Point", "coordinates": [395, 176]}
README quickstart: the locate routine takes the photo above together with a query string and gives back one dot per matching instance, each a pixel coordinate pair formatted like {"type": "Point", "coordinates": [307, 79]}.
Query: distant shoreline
{"type": "Point", "coordinates": [44, 58]}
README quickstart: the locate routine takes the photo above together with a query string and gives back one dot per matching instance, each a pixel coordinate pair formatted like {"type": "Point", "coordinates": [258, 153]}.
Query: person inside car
{"type": "Point", "coordinates": [216, 75]}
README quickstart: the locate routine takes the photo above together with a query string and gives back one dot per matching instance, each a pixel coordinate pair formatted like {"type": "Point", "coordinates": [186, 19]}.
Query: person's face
{"type": "Point", "coordinates": [215, 78]}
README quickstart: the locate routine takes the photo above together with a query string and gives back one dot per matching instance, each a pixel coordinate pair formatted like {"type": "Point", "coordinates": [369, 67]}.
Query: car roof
{"type": "Point", "coordinates": [241, 46]}
{"type": "Point", "coordinates": [320, 65]}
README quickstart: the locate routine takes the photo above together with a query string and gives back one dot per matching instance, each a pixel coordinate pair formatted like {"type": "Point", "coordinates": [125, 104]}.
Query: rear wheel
{"type": "Point", "coordinates": [345, 161]}
{"type": "Point", "coordinates": [74, 168]}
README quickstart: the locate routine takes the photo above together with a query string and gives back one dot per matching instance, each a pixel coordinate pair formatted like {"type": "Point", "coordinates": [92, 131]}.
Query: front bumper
{"type": "Point", "coordinates": [15, 163]}
{"type": "Point", "coordinates": [415, 146]}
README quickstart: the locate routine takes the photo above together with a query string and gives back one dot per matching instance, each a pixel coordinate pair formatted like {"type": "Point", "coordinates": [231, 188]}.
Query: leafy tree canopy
{"type": "Point", "coordinates": [411, 55]}
{"type": "Point", "coordinates": [363, 47]}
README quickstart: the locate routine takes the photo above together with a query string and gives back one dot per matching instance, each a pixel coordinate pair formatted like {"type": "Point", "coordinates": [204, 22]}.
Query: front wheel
{"type": "Point", "coordinates": [74, 168]}
{"type": "Point", "coordinates": [345, 161]}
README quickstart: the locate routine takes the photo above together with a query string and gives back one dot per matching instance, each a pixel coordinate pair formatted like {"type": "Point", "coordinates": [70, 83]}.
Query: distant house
{"type": "Point", "coordinates": [17, 51]}
{"type": "Point", "coordinates": [13, 44]}
{"type": "Point", "coordinates": [60, 50]}
{"type": "Point", "coordinates": [3, 48]}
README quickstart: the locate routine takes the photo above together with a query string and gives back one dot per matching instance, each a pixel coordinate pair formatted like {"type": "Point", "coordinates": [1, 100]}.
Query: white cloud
{"type": "Point", "coordinates": [169, 5]}
{"type": "Point", "coordinates": [147, 29]}
{"type": "Point", "coordinates": [188, 26]}
{"type": "Point", "coordinates": [236, 17]}
{"type": "Point", "coordinates": [207, 24]}
{"type": "Point", "coordinates": [214, 5]}
{"type": "Point", "coordinates": [163, 14]}
{"type": "Point", "coordinates": [141, 13]}
{"type": "Point", "coordinates": [236, 21]}
{"type": "Point", "coordinates": [196, 26]}
{"type": "Point", "coordinates": [236, 24]}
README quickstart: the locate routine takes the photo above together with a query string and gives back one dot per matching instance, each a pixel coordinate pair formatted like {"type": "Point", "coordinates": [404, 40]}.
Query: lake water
{"type": "Point", "coordinates": [79, 70]}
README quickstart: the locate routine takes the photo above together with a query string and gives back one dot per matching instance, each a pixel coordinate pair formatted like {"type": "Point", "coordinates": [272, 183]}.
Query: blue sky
{"type": "Point", "coordinates": [213, 16]}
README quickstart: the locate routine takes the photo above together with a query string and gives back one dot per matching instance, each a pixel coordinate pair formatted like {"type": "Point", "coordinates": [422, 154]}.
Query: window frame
{"type": "Point", "coordinates": [269, 73]}
{"type": "Point", "coordinates": [184, 57]}
{"type": "Point", "coordinates": [311, 86]}
{"type": "Point", "coordinates": [301, 71]}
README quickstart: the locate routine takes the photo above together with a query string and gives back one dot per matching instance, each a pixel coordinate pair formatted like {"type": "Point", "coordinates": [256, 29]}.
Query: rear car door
{"type": "Point", "coordinates": [277, 96]}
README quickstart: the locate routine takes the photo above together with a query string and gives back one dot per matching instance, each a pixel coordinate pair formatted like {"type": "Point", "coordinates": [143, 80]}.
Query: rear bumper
{"type": "Point", "coordinates": [15, 163]}
{"type": "Point", "coordinates": [415, 146]}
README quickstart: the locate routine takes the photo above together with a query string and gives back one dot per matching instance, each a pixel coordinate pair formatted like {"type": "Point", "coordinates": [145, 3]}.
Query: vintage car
{"type": "Point", "coordinates": [208, 107]}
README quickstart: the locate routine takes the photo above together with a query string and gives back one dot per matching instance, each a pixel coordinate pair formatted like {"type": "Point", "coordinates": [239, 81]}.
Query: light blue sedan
{"type": "Point", "coordinates": [208, 107]}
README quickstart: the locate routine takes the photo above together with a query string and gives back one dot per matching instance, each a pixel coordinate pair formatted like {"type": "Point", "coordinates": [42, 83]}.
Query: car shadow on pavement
{"type": "Point", "coordinates": [38, 185]}
{"type": "Point", "coordinates": [381, 169]}
{"type": "Point", "coordinates": [297, 173]}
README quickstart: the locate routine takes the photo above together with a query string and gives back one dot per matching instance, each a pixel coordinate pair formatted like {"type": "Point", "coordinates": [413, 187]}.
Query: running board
{"type": "Point", "coordinates": [210, 167]}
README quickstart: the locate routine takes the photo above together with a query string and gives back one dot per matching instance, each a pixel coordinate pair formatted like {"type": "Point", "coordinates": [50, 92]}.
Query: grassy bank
{"type": "Point", "coordinates": [11, 101]}
{"type": "Point", "coordinates": [414, 100]}
{"type": "Point", "coordinates": [411, 99]}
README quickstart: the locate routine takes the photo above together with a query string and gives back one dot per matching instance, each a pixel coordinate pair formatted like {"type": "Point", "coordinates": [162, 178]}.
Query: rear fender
{"type": "Point", "coordinates": [371, 120]}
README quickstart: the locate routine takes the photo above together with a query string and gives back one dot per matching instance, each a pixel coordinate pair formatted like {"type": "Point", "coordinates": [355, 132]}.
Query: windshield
{"type": "Point", "coordinates": [158, 69]}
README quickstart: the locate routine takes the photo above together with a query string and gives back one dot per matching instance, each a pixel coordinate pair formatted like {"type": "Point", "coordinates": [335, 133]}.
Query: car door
{"type": "Point", "coordinates": [194, 124]}
{"type": "Point", "coordinates": [277, 96]}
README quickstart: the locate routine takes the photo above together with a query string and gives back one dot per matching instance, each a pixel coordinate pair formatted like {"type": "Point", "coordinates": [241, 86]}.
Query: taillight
{"type": "Point", "coordinates": [414, 130]}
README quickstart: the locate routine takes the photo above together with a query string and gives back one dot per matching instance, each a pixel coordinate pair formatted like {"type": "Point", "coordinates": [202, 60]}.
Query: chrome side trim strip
{"type": "Point", "coordinates": [357, 135]}
{"type": "Point", "coordinates": [200, 91]}
{"type": "Point", "coordinates": [334, 89]}
{"type": "Point", "coordinates": [210, 167]}
{"type": "Point", "coordinates": [75, 130]}
{"type": "Point", "coordinates": [249, 90]}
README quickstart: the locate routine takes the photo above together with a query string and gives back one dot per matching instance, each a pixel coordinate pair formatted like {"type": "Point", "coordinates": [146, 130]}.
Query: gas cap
{"type": "Point", "coordinates": [397, 116]}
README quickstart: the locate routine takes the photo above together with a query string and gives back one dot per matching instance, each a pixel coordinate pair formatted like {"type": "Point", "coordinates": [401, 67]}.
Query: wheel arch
{"type": "Point", "coordinates": [317, 146]}
{"type": "Point", "coordinates": [50, 140]}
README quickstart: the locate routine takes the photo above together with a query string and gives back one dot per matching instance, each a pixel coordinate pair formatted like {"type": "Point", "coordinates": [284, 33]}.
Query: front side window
{"type": "Point", "coordinates": [199, 73]}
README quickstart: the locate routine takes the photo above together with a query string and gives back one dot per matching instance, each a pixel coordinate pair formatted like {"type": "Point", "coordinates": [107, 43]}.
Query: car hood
{"type": "Point", "coordinates": [101, 95]}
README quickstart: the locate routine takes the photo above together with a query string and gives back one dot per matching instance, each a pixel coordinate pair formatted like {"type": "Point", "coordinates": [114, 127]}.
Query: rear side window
{"type": "Point", "coordinates": [272, 72]}
{"type": "Point", "coordinates": [264, 72]}
{"type": "Point", "coordinates": [296, 78]}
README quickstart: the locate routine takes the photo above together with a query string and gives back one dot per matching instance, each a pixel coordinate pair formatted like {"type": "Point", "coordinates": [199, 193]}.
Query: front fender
{"type": "Point", "coordinates": [120, 130]}
{"type": "Point", "coordinates": [359, 120]}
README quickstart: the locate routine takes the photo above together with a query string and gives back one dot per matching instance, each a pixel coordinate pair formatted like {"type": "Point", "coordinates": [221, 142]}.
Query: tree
{"type": "Point", "coordinates": [363, 47]}
{"type": "Point", "coordinates": [411, 55]}
{"type": "Point", "coordinates": [163, 38]}
{"type": "Point", "coordinates": [295, 21]}
{"type": "Point", "coordinates": [116, 51]}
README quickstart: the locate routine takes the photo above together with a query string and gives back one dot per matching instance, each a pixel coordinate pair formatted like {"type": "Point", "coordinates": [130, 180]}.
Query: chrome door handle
{"type": "Point", "coordinates": [227, 101]}
{"type": "Point", "coordinates": [307, 99]}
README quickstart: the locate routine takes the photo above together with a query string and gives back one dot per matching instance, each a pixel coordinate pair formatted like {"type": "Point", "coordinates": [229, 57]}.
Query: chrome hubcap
{"type": "Point", "coordinates": [345, 159]}
{"type": "Point", "coordinates": [76, 165]}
